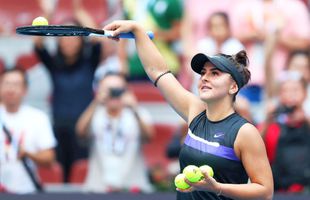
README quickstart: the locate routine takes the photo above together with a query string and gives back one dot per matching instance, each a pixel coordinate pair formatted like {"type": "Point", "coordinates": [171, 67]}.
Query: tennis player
{"type": "Point", "coordinates": [217, 135]}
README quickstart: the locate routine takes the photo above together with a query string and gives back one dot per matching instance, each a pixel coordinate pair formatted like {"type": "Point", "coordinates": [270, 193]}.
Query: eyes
{"type": "Point", "coordinates": [212, 73]}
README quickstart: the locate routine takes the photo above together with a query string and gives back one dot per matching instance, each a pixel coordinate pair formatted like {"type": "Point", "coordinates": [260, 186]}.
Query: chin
{"type": "Point", "coordinates": [206, 98]}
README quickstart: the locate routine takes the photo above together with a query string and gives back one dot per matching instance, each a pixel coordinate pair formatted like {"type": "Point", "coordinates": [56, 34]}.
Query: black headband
{"type": "Point", "coordinates": [220, 62]}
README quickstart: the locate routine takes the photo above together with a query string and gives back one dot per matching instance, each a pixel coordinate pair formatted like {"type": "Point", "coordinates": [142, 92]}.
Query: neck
{"type": "Point", "coordinates": [220, 42]}
{"type": "Point", "coordinates": [114, 112]}
{"type": "Point", "coordinates": [70, 60]}
{"type": "Point", "coordinates": [11, 108]}
{"type": "Point", "coordinates": [218, 110]}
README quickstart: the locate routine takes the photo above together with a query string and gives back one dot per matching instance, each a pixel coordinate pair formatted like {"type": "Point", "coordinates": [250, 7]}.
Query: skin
{"type": "Point", "coordinates": [301, 63]}
{"type": "Point", "coordinates": [12, 91]}
{"type": "Point", "coordinates": [216, 91]}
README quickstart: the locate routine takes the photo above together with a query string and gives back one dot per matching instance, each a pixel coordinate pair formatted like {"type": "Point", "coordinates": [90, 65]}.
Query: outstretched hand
{"type": "Point", "coordinates": [208, 183]}
{"type": "Point", "coordinates": [122, 26]}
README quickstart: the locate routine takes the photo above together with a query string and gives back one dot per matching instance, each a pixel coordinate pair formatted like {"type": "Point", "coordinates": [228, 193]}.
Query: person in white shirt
{"type": "Point", "coordinates": [117, 129]}
{"type": "Point", "coordinates": [31, 135]}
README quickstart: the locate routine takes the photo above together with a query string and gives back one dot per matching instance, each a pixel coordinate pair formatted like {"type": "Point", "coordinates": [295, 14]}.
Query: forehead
{"type": "Point", "coordinates": [209, 66]}
{"type": "Point", "coordinates": [13, 76]}
{"type": "Point", "coordinates": [291, 85]}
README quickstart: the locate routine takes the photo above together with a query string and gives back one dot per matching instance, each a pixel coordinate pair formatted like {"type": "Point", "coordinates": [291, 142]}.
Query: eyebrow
{"type": "Point", "coordinates": [214, 69]}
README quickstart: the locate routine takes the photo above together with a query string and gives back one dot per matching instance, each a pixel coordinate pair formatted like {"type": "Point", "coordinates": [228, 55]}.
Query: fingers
{"type": "Point", "coordinates": [208, 183]}
{"type": "Point", "coordinates": [112, 26]}
{"type": "Point", "coordinates": [191, 189]}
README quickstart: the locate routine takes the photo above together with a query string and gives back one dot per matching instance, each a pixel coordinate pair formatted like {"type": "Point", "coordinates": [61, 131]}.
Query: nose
{"type": "Point", "coordinates": [204, 77]}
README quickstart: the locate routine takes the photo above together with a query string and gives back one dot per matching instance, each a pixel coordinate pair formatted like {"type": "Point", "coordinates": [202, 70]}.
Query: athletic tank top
{"type": "Point", "coordinates": [212, 143]}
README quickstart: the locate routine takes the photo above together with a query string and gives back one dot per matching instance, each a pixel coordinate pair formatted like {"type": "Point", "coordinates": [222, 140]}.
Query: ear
{"type": "Point", "coordinates": [233, 88]}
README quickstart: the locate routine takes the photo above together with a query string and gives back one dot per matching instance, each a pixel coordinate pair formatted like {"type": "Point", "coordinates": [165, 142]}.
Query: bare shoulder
{"type": "Point", "coordinates": [248, 130]}
{"type": "Point", "coordinates": [248, 137]}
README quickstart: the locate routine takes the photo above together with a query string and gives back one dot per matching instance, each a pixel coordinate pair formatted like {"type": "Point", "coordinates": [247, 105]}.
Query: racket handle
{"type": "Point", "coordinates": [130, 35]}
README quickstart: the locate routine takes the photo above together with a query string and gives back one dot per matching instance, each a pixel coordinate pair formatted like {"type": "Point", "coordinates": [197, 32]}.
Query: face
{"type": "Point", "coordinates": [109, 83]}
{"type": "Point", "coordinates": [215, 84]}
{"type": "Point", "coordinates": [292, 93]}
{"type": "Point", "coordinates": [70, 46]}
{"type": "Point", "coordinates": [300, 63]}
{"type": "Point", "coordinates": [219, 28]}
{"type": "Point", "coordinates": [12, 88]}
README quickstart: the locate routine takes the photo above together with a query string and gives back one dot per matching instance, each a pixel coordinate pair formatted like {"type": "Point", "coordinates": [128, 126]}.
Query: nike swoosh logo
{"type": "Point", "coordinates": [217, 135]}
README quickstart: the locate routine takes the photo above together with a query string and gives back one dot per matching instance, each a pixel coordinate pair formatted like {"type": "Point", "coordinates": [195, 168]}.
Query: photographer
{"type": "Point", "coordinates": [287, 135]}
{"type": "Point", "coordinates": [116, 128]}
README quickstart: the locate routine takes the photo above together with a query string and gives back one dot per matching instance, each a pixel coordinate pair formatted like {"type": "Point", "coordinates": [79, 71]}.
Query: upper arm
{"type": "Point", "coordinates": [96, 54]}
{"type": "Point", "coordinates": [186, 104]}
{"type": "Point", "coordinates": [44, 57]}
{"type": "Point", "coordinates": [252, 152]}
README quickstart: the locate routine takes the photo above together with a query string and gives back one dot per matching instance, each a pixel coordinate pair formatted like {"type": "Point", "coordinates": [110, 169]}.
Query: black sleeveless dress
{"type": "Point", "coordinates": [212, 143]}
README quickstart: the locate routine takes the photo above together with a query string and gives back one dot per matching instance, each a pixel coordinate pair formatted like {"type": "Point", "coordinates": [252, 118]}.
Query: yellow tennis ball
{"type": "Point", "coordinates": [40, 21]}
{"type": "Point", "coordinates": [192, 173]}
{"type": "Point", "coordinates": [179, 182]}
{"type": "Point", "coordinates": [208, 169]}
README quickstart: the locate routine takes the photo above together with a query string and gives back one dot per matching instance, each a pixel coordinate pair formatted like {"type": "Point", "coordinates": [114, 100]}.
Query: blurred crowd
{"type": "Point", "coordinates": [81, 104]}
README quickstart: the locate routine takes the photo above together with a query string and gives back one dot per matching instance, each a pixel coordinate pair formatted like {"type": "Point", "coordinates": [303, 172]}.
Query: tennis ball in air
{"type": "Point", "coordinates": [180, 183]}
{"type": "Point", "coordinates": [40, 21]}
{"type": "Point", "coordinates": [192, 173]}
{"type": "Point", "coordinates": [208, 169]}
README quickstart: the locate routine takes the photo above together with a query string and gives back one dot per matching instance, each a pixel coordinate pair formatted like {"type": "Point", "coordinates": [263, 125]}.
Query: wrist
{"type": "Point", "coordinates": [137, 28]}
{"type": "Point", "coordinates": [219, 190]}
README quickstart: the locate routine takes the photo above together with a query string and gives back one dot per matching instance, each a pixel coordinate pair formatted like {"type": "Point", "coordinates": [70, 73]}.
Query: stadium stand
{"type": "Point", "coordinates": [51, 174]}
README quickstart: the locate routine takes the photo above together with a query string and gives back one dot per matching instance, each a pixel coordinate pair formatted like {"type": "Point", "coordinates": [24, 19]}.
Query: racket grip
{"type": "Point", "coordinates": [130, 35]}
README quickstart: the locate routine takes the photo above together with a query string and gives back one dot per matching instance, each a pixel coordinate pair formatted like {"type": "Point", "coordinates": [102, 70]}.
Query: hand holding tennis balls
{"type": "Point", "coordinates": [193, 174]}
{"type": "Point", "coordinates": [180, 183]}
{"type": "Point", "coordinates": [40, 21]}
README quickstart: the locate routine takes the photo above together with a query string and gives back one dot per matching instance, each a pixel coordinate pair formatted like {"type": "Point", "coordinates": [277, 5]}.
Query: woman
{"type": "Point", "coordinates": [217, 136]}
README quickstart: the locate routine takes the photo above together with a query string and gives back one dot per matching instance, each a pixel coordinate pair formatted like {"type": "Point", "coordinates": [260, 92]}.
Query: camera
{"type": "Point", "coordinates": [116, 92]}
{"type": "Point", "coordinates": [285, 109]}
{"type": "Point", "coordinates": [281, 114]}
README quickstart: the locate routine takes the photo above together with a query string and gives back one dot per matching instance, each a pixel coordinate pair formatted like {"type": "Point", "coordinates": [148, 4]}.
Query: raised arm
{"type": "Point", "coordinates": [185, 104]}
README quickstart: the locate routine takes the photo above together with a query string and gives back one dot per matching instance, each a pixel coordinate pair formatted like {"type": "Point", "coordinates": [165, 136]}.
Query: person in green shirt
{"type": "Point", "coordinates": [163, 17]}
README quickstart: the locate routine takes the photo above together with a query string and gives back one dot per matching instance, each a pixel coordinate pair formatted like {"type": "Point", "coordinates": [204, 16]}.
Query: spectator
{"type": "Point", "coordinates": [253, 21]}
{"type": "Point", "coordinates": [287, 134]}
{"type": "Point", "coordinates": [163, 17]}
{"type": "Point", "coordinates": [300, 61]}
{"type": "Point", "coordinates": [117, 129]}
{"type": "Point", "coordinates": [72, 70]}
{"type": "Point", "coordinates": [29, 135]}
{"type": "Point", "coordinates": [195, 20]}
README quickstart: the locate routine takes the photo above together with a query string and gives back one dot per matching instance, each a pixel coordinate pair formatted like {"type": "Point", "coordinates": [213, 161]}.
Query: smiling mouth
{"type": "Point", "coordinates": [205, 88]}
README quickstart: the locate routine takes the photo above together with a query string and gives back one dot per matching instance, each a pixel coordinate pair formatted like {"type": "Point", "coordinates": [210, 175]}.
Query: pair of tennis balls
{"type": "Point", "coordinates": [40, 21]}
{"type": "Point", "coordinates": [193, 174]}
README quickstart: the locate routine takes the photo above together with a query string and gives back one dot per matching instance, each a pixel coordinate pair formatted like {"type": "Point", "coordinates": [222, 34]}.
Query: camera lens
{"type": "Point", "coordinates": [116, 92]}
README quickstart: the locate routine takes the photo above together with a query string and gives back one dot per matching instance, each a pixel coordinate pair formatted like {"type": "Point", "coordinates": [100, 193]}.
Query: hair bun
{"type": "Point", "coordinates": [242, 58]}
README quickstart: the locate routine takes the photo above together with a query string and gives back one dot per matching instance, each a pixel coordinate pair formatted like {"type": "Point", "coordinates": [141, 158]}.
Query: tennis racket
{"type": "Point", "coordinates": [65, 30]}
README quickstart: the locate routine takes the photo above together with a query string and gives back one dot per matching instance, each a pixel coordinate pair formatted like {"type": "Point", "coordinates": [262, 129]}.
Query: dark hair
{"type": "Point", "coordinates": [107, 74]}
{"type": "Point", "coordinates": [241, 62]}
{"type": "Point", "coordinates": [18, 70]}
{"type": "Point", "coordinates": [112, 73]}
{"type": "Point", "coordinates": [224, 15]}
{"type": "Point", "coordinates": [294, 53]}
